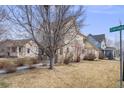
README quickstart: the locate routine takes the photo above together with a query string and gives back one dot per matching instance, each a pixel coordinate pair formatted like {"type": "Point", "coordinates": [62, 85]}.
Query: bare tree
{"type": "Point", "coordinates": [3, 17]}
{"type": "Point", "coordinates": [50, 26]}
{"type": "Point", "coordinates": [109, 42]}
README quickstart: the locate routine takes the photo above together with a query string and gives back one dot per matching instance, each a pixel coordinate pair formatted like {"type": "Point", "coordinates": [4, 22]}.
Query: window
{"type": "Point", "coordinates": [43, 37]}
{"type": "Point", "coordinates": [93, 51]}
{"type": "Point", "coordinates": [2, 50]}
{"type": "Point", "coordinates": [13, 49]}
{"type": "Point", "coordinates": [20, 49]}
{"type": "Point", "coordinates": [42, 52]}
{"type": "Point", "coordinates": [28, 50]}
{"type": "Point", "coordinates": [83, 51]}
{"type": "Point", "coordinates": [67, 49]}
{"type": "Point", "coordinates": [8, 48]}
{"type": "Point", "coordinates": [85, 40]}
{"type": "Point", "coordinates": [61, 51]}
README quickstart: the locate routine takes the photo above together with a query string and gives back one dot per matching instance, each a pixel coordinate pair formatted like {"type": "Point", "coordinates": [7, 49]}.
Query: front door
{"type": "Point", "coordinates": [8, 54]}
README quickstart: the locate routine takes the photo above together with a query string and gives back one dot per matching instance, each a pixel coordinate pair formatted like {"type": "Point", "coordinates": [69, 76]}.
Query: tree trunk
{"type": "Point", "coordinates": [52, 61]}
{"type": "Point", "coordinates": [40, 58]}
{"type": "Point", "coordinates": [56, 58]}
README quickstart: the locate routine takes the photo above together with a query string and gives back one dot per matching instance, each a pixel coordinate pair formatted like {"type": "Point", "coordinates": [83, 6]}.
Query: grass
{"type": "Point", "coordinates": [91, 74]}
{"type": "Point", "coordinates": [3, 84]}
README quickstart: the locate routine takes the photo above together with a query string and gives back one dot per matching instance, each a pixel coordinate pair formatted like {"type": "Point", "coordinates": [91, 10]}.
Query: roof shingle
{"type": "Point", "coordinates": [12, 43]}
{"type": "Point", "coordinates": [99, 37]}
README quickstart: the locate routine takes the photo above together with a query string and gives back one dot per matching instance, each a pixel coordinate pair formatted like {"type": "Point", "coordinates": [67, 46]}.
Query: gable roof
{"type": "Point", "coordinates": [12, 43]}
{"type": "Point", "coordinates": [79, 33]}
{"type": "Point", "coordinates": [89, 45]}
{"type": "Point", "coordinates": [110, 48]}
{"type": "Point", "coordinates": [99, 37]}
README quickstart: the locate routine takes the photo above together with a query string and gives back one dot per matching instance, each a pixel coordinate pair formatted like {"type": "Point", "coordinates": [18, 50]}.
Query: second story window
{"type": "Point", "coordinates": [28, 50]}
{"type": "Point", "coordinates": [85, 40]}
{"type": "Point", "coordinates": [61, 51]}
{"type": "Point", "coordinates": [83, 51]}
{"type": "Point", "coordinates": [2, 50]}
{"type": "Point", "coordinates": [67, 49]}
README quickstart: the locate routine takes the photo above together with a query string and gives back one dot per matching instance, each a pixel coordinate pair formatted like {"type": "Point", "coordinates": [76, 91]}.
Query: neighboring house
{"type": "Point", "coordinates": [100, 42]}
{"type": "Point", "coordinates": [90, 48]}
{"type": "Point", "coordinates": [18, 48]}
{"type": "Point", "coordinates": [110, 51]}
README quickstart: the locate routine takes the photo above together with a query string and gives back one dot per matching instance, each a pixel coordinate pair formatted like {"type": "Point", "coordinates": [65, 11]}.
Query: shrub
{"type": "Point", "coordinates": [101, 56]}
{"type": "Point", "coordinates": [78, 59]}
{"type": "Point", "coordinates": [34, 60]}
{"type": "Point", "coordinates": [85, 57]}
{"type": "Point", "coordinates": [26, 61]}
{"type": "Point", "coordinates": [10, 67]}
{"type": "Point", "coordinates": [68, 59]}
{"type": "Point", "coordinates": [20, 62]}
{"type": "Point", "coordinates": [1, 65]}
{"type": "Point", "coordinates": [90, 56]}
{"type": "Point", "coordinates": [30, 62]}
{"type": "Point", "coordinates": [71, 57]}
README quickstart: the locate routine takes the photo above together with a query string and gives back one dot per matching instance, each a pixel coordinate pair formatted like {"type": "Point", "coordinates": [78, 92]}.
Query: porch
{"type": "Point", "coordinates": [16, 51]}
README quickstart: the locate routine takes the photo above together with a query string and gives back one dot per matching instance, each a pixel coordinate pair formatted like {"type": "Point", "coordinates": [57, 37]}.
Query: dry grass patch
{"type": "Point", "coordinates": [84, 74]}
{"type": "Point", "coordinates": [3, 84]}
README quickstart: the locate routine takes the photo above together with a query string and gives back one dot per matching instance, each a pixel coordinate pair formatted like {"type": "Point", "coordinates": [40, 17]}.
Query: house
{"type": "Point", "coordinates": [18, 48]}
{"type": "Point", "coordinates": [110, 52]}
{"type": "Point", "coordinates": [100, 42]}
{"type": "Point", "coordinates": [90, 48]}
{"type": "Point", "coordinates": [78, 48]}
{"type": "Point", "coordinates": [75, 48]}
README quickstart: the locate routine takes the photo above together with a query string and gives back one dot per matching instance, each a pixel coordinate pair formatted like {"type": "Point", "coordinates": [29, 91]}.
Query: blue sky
{"type": "Point", "coordinates": [100, 18]}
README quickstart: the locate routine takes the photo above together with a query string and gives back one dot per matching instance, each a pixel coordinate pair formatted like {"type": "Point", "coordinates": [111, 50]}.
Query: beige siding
{"type": "Point", "coordinates": [76, 48]}
{"type": "Point", "coordinates": [30, 47]}
{"type": "Point", "coordinates": [20, 54]}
